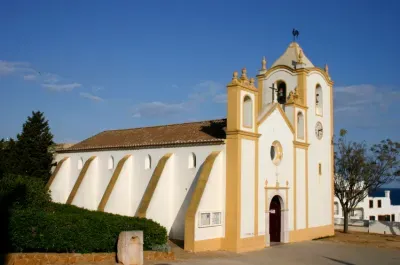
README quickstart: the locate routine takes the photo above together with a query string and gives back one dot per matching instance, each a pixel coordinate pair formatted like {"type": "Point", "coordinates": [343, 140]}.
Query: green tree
{"type": "Point", "coordinates": [32, 148]}
{"type": "Point", "coordinates": [7, 163]}
{"type": "Point", "coordinates": [360, 170]}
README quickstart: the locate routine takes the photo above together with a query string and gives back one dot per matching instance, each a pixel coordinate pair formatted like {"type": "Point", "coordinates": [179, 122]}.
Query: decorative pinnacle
{"type": "Point", "coordinates": [235, 75]}
{"type": "Point", "coordinates": [244, 74]}
{"type": "Point", "coordinates": [264, 64]}
{"type": "Point", "coordinates": [326, 68]}
{"type": "Point", "coordinates": [301, 56]}
{"type": "Point", "coordinates": [252, 81]}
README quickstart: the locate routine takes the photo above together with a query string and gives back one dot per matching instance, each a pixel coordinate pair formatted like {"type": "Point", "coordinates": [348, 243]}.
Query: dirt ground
{"type": "Point", "coordinates": [366, 239]}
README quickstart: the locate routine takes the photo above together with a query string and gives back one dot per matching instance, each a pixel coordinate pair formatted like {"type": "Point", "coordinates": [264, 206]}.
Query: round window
{"type": "Point", "coordinates": [276, 152]}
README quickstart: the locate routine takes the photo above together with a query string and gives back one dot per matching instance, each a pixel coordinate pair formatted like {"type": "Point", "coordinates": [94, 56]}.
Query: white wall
{"type": "Point", "coordinates": [134, 179]}
{"type": "Point", "coordinates": [115, 203]}
{"type": "Point", "coordinates": [57, 189]}
{"type": "Point", "coordinates": [301, 188]}
{"type": "Point", "coordinates": [247, 188]}
{"type": "Point", "coordinates": [213, 200]}
{"type": "Point", "coordinates": [159, 209]}
{"type": "Point", "coordinates": [280, 74]}
{"type": "Point", "coordinates": [388, 228]}
{"type": "Point", "coordinates": [251, 95]}
{"type": "Point", "coordinates": [88, 193]}
{"type": "Point", "coordinates": [274, 128]}
{"type": "Point", "coordinates": [319, 151]}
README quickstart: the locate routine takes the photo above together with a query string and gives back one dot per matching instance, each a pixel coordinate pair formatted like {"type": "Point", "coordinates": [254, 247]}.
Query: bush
{"type": "Point", "coordinates": [22, 191]}
{"type": "Point", "coordinates": [66, 228]}
{"type": "Point", "coordinates": [37, 225]}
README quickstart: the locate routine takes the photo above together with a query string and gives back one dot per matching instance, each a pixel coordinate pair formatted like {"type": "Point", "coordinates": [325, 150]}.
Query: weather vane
{"type": "Point", "coordinates": [295, 34]}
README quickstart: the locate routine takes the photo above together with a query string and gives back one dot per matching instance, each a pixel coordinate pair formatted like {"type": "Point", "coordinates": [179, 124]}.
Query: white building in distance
{"type": "Point", "coordinates": [372, 208]}
{"type": "Point", "coordinates": [264, 174]}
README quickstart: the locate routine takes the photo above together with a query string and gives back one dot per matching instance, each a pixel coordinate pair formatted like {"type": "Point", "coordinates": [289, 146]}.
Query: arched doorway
{"type": "Point", "coordinates": [275, 220]}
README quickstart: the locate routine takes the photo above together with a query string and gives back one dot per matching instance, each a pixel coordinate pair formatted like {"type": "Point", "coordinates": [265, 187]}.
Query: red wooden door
{"type": "Point", "coordinates": [275, 220]}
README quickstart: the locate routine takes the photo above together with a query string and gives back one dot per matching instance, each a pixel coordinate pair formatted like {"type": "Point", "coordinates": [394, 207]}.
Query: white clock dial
{"type": "Point", "coordinates": [319, 130]}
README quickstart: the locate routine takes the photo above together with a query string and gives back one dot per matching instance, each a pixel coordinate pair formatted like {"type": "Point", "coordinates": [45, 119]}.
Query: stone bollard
{"type": "Point", "coordinates": [130, 248]}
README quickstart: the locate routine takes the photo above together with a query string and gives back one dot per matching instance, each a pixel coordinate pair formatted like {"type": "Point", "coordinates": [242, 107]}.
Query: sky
{"type": "Point", "coordinates": [97, 65]}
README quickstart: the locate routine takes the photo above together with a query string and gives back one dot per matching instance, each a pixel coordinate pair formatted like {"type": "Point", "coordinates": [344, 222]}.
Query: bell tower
{"type": "Point", "coordinates": [241, 222]}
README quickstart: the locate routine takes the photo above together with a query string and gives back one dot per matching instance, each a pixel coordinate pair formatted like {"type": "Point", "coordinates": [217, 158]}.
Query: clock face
{"type": "Point", "coordinates": [319, 131]}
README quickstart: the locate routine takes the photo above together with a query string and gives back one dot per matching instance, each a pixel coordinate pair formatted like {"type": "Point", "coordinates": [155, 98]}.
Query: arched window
{"type": "Point", "coordinates": [247, 112]}
{"type": "Point", "coordinates": [300, 125]}
{"type": "Point", "coordinates": [281, 92]}
{"type": "Point", "coordinates": [318, 100]}
{"type": "Point", "coordinates": [147, 162]}
{"type": "Point", "coordinates": [80, 163]}
{"type": "Point", "coordinates": [192, 160]}
{"type": "Point", "coordinates": [110, 162]}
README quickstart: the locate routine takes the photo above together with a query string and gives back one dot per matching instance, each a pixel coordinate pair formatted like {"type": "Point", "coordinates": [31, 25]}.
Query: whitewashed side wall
{"type": "Point", "coordinates": [387, 228]}
{"type": "Point", "coordinates": [300, 188]}
{"type": "Point", "coordinates": [319, 151]}
{"type": "Point", "coordinates": [213, 200]}
{"type": "Point", "coordinates": [274, 128]}
{"type": "Point", "coordinates": [280, 74]}
{"type": "Point", "coordinates": [88, 192]}
{"type": "Point", "coordinates": [247, 188]}
{"type": "Point", "coordinates": [159, 207]}
{"type": "Point", "coordinates": [124, 202]}
{"type": "Point", "coordinates": [120, 200]}
{"type": "Point", "coordinates": [57, 189]}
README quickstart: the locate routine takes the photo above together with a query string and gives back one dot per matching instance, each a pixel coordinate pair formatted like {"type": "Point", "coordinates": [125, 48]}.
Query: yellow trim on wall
{"type": "Point", "coordinates": [306, 177]}
{"type": "Point", "coordinates": [244, 134]}
{"type": "Point", "coordinates": [332, 158]}
{"type": "Point", "coordinates": [78, 182]}
{"type": "Point", "coordinates": [277, 106]}
{"type": "Point", "coordinates": [55, 172]}
{"type": "Point", "coordinates": [111, 184]}
{"type": "Point", "coordinates": [301, 145]}
{"type": "Point", "coordinates": [294, 189]}
{"type": "Point", "coordinates": [151, 187]}
{"type": "Point", "coordinates": [260, 81]}
{"type": "Point", "coordinates": [213, 244]}
{"type": "Point", "coordinates": [311, 233]}
{"type": "Point", "coordinates": [256, 190]}
{"type": "Point", "coordinates": [190, 216]}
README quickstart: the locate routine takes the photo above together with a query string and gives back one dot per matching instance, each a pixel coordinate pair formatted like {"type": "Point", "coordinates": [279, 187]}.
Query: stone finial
{"type": "Point", "coordinates": [287, 183]}
{"type": "Point", "coordinates": [252, 81]}
{"type": "Point", "coordinates": [244, 74]}
{"type": "Point", "coordinates": [264, 64]}
{"type": "Point", "coordinates": [235, 75]}
{"type": "Point", "coordinates": [326, 68]}
{"type": "Point", "coordinates": [300, 59]}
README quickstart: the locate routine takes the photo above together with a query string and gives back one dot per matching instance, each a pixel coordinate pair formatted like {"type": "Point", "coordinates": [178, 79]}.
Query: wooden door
{"type": "Point", "coordinates": [275, 220]}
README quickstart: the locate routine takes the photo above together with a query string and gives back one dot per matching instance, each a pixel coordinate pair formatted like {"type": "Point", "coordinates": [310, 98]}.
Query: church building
{"type": "Point", "coordinates": [262, 175]}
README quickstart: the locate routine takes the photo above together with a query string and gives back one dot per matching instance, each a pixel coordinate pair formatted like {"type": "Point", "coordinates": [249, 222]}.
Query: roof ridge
{"type": "Point", "coordinates": [162, 125]}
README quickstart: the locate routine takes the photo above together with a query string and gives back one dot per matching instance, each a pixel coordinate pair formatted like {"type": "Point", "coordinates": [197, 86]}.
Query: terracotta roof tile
{"type": "Point", "coordinates": [194, 133]}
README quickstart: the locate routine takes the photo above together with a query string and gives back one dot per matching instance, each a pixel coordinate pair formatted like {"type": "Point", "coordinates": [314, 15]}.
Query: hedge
{"type": "Point", "coordinates": [36, 225]}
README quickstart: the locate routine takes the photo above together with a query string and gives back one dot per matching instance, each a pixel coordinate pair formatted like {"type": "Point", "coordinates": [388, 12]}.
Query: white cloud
{"type": "Point", "coordinates": [365, 105]}
{"type": "Point", "coordinates": [62, 87]}
{"type": "Point", "coordinates": [30, 77]}
{"type": "Point", "coordinates": [8, 68]}
{"type": "Point", "coordinates": [200, 94]}
{"type": "Point", "coordinates": [91, 97]}
{"type": "Point", "coordinates": [220, 98]}
{"type": "Point", "coordinates": [157, 109]}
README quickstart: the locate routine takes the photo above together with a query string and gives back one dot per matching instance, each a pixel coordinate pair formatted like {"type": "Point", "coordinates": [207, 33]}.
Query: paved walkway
{"type": "Point", "coordinates": [312, 252]}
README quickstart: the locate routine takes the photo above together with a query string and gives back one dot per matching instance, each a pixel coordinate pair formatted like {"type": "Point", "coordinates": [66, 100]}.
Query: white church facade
{"type": "Point", "coordinates": [264, 174]}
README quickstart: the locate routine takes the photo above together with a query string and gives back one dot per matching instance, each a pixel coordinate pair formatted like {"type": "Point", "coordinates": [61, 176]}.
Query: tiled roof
{"type": "Point", "coordinates": [194, 133]}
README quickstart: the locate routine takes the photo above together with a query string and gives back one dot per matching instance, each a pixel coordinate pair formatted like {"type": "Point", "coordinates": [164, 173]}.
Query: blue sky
{"type": "Point", "coordinates": [97, 65]}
